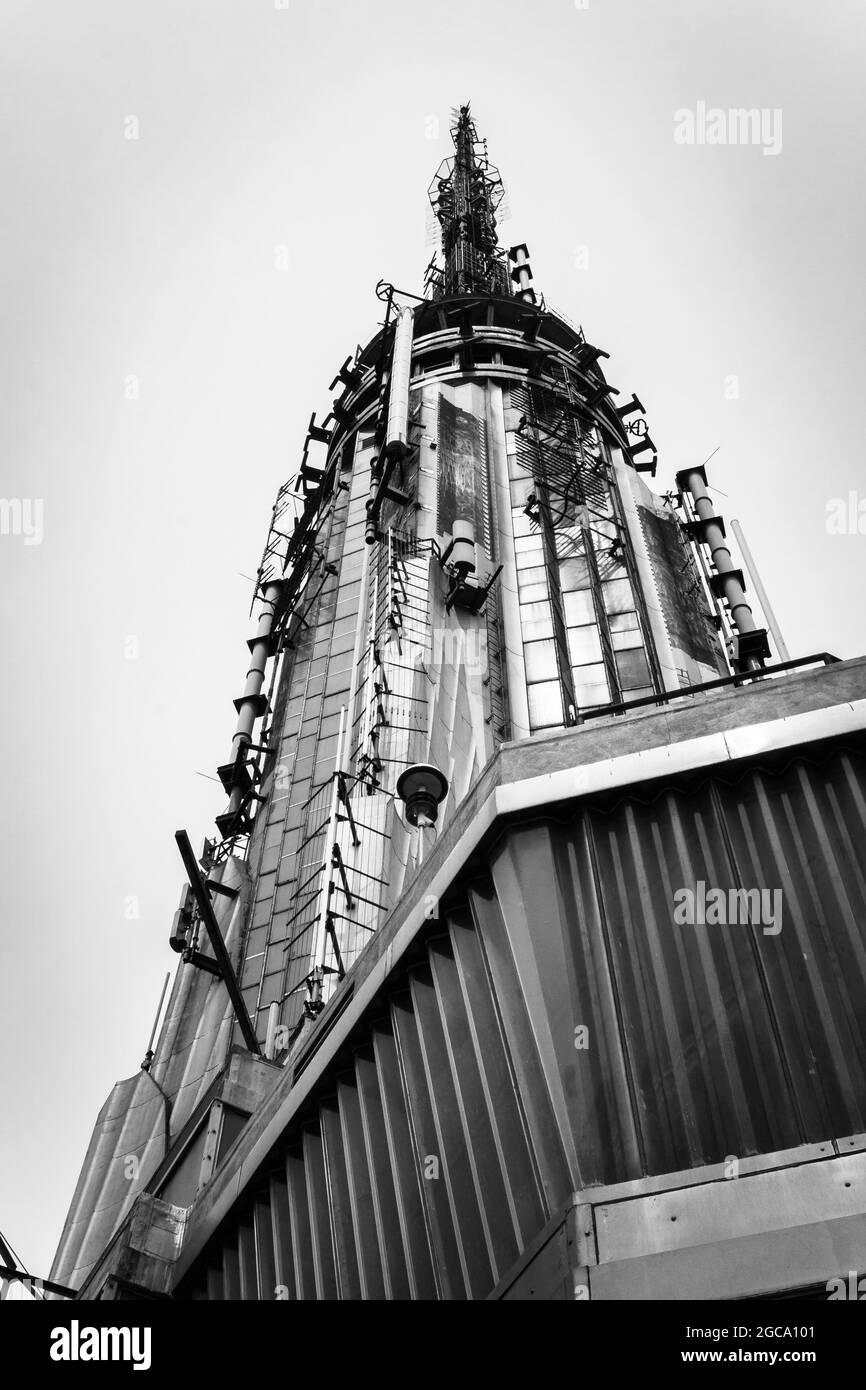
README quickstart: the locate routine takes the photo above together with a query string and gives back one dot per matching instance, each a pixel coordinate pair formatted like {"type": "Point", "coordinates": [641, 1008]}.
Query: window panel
{"type": "Point", "coordinates": [536, 575]}
{"type": "Point", "coordinates": [622, 622]}
{"type": "Point", "coordinates": [593, 697]}
{"type": "Point", "coordinates": [521, 489]}
{"type": "Point", "coordinates": [528, 545]}
{"type": "Point", "coordinates": [590, 675]}
{"type": "Point", "coordinates": [329, 726]}
{"type": "Point", "coordinates": [618, 597]}
{"type": "Point", "coordinates": [538, 630]}
{"type": "Point", "coordinates": [521, 524]}
{"type": "Point", "coordinates": [545, 705]}
{"type": "Point", "coordinates": [573, 574]}
{"type": "Point", "coordinates": [528, 559]}
{"type": "Point", "coordinates": [536, 621]}
{"type": "Point", "coordinates": [579, 607]}
{"type": "Point", "coordinates": [623, 640]}
{"type": "Point", "coordinates": [324, 770]}
{"type": "Point", "coordinates": [533, 593]}
{"type": "Point", "coordinates": [256, 942]}
{"type": "Point", "coordinates": [584, 644]}
{"type": "Point", "coordinates": [327, 746]}
{"type": "Point", "coordinates": [540, 660]}
{"type": "Point", "coordinates": [531, 612]}
{"type": "Point", "coordinates": [611, 567]}
{"type": "Point", "coordinates": [569, 543]}
{"type": "Point", "coordinates": [590, 692]}
{"type": "Point", "coordinates": [632, 668]}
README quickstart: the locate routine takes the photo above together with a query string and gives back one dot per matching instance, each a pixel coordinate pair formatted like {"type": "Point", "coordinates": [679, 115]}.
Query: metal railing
{"type": "Point", "coordinates": [821, 658]}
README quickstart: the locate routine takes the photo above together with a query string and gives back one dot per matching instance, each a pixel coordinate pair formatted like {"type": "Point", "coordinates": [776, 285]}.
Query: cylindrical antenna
{"type": "Point", "coordinates": [728, 581]}
{"type": "Point", "coordinates": [148, 1056]}
{"type": "Point", "coordinates": [522, 273]}
{"type": "Point", "coordinates": [397, 433]}
{"type": "Point", "coordinates": [248, 704]}
{"type": "Point", "coordinates": [273, 1024]}
{"type": "Point", "coordinates": [252, 703]}
{"type": "Point", "coordinates": [772, 624]}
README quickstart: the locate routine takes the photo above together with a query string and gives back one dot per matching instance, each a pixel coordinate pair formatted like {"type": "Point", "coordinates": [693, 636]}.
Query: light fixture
{"type": "Point", "coordinates": [422, 788]}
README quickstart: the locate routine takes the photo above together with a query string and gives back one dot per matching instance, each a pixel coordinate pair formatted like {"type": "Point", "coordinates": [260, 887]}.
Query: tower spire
{"type": "Point", "coordinates": [465, 194]}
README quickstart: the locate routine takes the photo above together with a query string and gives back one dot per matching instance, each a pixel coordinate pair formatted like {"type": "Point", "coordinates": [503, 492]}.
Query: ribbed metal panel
{"type": "Point", "coordinates": [400, 1165]}
{"type": "Point", "coordinates": [461, 1114]}
{"type": "Point", "coordinates": [415, 1176]}
{"type": "Point", "coordinates": [739, 1041]}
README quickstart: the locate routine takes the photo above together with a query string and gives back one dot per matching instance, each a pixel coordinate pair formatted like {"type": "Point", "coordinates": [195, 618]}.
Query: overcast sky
{"type": "Point", "coordinates": [158, 364]}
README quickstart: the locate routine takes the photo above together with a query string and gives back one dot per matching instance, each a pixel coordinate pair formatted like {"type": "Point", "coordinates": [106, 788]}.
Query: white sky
{"type": "Point", "coordinates": [309, 128]}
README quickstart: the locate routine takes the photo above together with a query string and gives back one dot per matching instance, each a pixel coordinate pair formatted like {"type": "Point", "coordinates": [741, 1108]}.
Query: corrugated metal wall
{"type": "Point", "coordinates": [558, 1030]}
{"type": "Point", "coordinates": [414, 1175]}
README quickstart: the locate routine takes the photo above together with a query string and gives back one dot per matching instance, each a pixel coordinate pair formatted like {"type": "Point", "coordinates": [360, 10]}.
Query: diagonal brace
{"type": "Point", "coordinates": [208, 917]}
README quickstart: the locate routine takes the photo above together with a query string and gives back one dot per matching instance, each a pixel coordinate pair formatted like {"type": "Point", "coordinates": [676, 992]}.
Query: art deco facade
{"type": "Point", "coordinates": [480, 1058]}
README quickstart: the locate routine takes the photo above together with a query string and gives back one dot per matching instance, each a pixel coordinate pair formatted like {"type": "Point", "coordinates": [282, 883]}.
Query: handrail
{"type": "Point", "coordinates": [825, 658]}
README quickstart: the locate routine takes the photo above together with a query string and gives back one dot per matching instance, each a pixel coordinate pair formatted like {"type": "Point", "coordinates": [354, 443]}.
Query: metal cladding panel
{"type": "Point", "coordinates": [461, 484]}
{"type": "Point", "coordinates": [709, 1040]}
{"type": "Point", "coordinates": [559, 1027]}
{"type": "Point", "coordinates": [298, 1254]}
{"type": "Point", "coordinates": [265, 1253]}
{"type": "Point", "coordinates": [413, 1174]}
{"type": "Point", "coordinates": [676, 576]}
{"type": "Point", "coordinates": [401, 1166]}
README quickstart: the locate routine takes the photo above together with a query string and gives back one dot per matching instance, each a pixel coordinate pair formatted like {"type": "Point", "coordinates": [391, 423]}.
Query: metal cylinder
{"type": "Point", "coordinates": [463, 547]}
{"type": "Point", "coordinates": [371, 529]}
{"type": "Point", "coordinates": [249, 704]}
{"type": "Point", "coordinates": [273, 1024]}
{"type": "Point", "coordinates": [522, 273]}
{"type": "Point", "coordinates": [714, 537]}
{"type": "Point", "coordinates": [397, 433]}
{"type": "Point", "coordinates": [259, 653]}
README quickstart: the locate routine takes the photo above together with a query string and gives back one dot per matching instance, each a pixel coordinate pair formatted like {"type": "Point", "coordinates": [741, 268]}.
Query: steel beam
{"type": "Point", "coordinates": [208, 916]}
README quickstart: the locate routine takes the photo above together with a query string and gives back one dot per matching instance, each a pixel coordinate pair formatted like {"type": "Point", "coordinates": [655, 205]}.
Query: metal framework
{"type": "Point", "coordinates": [574, 507]}
{"type": "Point", "coordinates": [465, 194]}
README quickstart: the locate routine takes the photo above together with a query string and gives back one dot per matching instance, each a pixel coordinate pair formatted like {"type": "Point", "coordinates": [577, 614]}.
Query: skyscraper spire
{"type": "Point", "coordinates": [465, 194]}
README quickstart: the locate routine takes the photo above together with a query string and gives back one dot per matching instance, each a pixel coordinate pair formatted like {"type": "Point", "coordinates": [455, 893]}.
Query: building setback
{"type": "Point", "coordinates": [442, 1027]}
